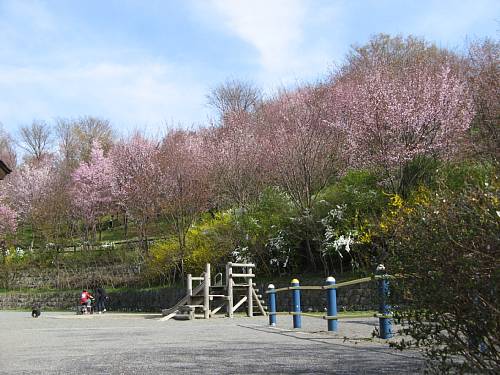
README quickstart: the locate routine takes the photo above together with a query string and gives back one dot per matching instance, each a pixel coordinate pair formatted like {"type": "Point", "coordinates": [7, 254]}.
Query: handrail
{"type": "Point", "coordinates": [328, 317]}
{"type": "Point", "coordinates": [384, 314]}
{"type": "Point", "coordinates": [246, 265]}
{"type": "Point", "coordinates": [335, 286]}
{"type": "Point", "coordinates": [346, 283]}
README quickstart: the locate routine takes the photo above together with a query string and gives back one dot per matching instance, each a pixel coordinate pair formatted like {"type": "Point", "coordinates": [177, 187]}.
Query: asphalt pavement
{"type": "Point", "coordinates": [64, 343]}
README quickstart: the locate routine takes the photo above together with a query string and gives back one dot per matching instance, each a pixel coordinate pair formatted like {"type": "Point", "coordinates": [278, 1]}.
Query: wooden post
{"type": "Point", "coordinates": [250, 294]}
{"type": "Point", "coordinates": [229, 289]}
{"type": "Point", "coordinates": [189, 288]}
{"type": "Point", "coordinates": [206, 292]}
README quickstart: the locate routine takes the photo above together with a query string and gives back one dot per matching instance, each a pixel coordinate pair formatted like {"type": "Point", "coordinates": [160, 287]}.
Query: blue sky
{"type": "Point", "coordinates": [147, 63]}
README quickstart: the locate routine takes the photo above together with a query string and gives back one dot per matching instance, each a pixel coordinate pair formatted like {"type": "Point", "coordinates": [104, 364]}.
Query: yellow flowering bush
{"type": "Point", "coordinates": [207, 241]}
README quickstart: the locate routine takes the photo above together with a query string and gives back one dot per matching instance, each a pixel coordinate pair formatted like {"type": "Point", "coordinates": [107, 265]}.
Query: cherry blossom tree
{"type": "Point", "coordinates": [8, 226]}
{"type": "Point", "coordinates": [304, 143]}
{"type": "Point", "coordinates": [401, 109]}
{"type": "Point", "coordinates": [237, 161]}
{"type": "Point", "coordinates": [8, 221]}
{"type": "Point", "coordinates": [185, 188]}
{"type": "Point", "coordinates": [136, 180]}
{"type": "Point", "coordinates": [483, 73]}
{"type": "Point", "coordinates": [91, 192]}
{"type": "Point", "coordinates": [25, 190]}
{"type": "Point", "coordinates": [27, 187]}
{"type": "Point", "coordinates": [394, 102]}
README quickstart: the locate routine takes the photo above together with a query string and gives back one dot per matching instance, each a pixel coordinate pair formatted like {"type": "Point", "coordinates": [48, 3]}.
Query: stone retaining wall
{"type": "Point", "coordinates": [356, 297]}
{"type": "Point", "coordinates": [133, 300]}
{"type": "Point", "coordinates": [71, 277]}
{"type": "Point", "coordinates": [64, 300]}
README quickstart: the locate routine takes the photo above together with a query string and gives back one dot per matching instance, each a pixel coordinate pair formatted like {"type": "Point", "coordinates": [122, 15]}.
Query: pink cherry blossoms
{"type": "Point", "coordinates": [302, 143]}
{"type": "Point", "coordinates": [26, 189]}
{"type": "Point", "coordinates": [136, 180]}
{"type": "Point", "coordinates": [8, 221]}
{"type": "Point", "coordinates": [91, 192]}
{"type": "Point", "coordinates": [396, 117]}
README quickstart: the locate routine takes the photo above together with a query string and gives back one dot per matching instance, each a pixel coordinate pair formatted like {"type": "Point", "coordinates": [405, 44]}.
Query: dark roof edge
{"type": "Point", "coordinates": [3, 166]}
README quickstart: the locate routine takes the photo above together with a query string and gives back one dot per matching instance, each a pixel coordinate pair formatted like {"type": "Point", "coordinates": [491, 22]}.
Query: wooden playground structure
{"type": "Point", "coordinates": [206, 299]}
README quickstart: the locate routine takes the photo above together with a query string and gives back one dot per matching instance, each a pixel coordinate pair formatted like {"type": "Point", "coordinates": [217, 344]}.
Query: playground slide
{"type": "Point", "coordinates": [183, 301]}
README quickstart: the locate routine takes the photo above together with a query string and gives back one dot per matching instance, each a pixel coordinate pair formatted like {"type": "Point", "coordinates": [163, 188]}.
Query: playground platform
{"type": "Point", "coordinates": [62, 343]}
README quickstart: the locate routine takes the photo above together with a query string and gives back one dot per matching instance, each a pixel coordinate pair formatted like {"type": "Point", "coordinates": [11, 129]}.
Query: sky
{"type": "Point", "coordinates": [148, 64]}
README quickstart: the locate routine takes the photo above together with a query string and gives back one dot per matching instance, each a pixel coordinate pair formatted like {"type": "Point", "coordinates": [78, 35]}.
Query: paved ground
{"type": "Point", "coordinates": [63, 343]}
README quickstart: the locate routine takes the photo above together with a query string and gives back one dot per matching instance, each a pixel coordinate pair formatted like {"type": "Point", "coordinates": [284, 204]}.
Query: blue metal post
{"type": "Point", "coordinates": [297, 318]}
{"type": "Point", "coordinates": [332, 305]}
{"type": "Point", "coordinates": [272, 305]}
{"type": "Point", "coordinates": [385, 324]}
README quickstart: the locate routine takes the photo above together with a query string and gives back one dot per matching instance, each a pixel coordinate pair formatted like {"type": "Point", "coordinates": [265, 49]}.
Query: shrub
{"type": "Point", "coordinates": [347, 212]}
{"type": "Point", "coordinates": [448, 248]}
{"type": "Point", "coordinates": [263, 231]}
{"type": "Point", "coordinates": [208, 241]}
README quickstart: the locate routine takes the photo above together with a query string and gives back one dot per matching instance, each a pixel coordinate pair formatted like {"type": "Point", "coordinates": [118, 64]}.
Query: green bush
{"type": "Point", "coordinates": [448, 248]}
{"type": "Point", "coordinates": [347, 211]}
{"type": "Point", "coordinates": [360, 190]}
{"type": "Point", "coordinates": [456, 176]}
{"type": "Point", "coordinates": [262, 231]}
{"type": "Point", "coordinates": [208, 241]}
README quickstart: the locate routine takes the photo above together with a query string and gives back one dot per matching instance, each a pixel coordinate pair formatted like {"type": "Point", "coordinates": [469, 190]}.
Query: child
{"type": "Point", "coordinates": [86, 300]}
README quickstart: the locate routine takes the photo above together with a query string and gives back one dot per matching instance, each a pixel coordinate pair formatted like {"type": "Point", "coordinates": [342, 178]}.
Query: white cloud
{"type": "Point", "coordinates": [274, 28]}
{"type": "Point", "coordinates": [277, 30]}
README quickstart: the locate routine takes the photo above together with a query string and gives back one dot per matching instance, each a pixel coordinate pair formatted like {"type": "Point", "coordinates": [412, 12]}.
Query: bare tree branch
{"type": "Point", "coordinates": [234, 96]}
{"type": "Point", "coordinates": [36, 139]}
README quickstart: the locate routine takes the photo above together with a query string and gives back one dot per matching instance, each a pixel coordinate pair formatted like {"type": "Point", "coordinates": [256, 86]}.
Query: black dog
{"type": "Point", "coordinates": [35, 313]}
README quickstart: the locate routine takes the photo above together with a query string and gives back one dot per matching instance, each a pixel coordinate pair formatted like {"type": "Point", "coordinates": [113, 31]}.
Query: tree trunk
{"type": "Point", "coordinates": [324, 262]}
{"type": "Point", "coordinates": [144, 235]}
{"type": "Point", "coordinates": [182, 248]}
{"type": "Point", "coordinates": [310, 255]}
{"type": "Point", "coordinates": [125, 224]}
